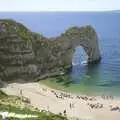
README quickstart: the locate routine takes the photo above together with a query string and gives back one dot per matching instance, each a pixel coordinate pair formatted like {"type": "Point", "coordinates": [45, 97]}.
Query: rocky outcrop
{"type": "Point", "coordinates": [24, 54]}
{"type": "Point", "coordinates": [16, 52]}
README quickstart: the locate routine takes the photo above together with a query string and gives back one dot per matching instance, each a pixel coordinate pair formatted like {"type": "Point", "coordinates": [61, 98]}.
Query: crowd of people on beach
{"type": "Point", "coordinates": [114, 108]}
{"type": "Point", "coordinates": [64, 95]}
{"type": "Point", "coordinates": [96, 105]}
{"type": "Point", "coordinates": [107, 97]}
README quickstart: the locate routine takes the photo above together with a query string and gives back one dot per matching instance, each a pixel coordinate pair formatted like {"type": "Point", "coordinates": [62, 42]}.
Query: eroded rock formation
{"type": "Point", "coordinates": [24, 54]}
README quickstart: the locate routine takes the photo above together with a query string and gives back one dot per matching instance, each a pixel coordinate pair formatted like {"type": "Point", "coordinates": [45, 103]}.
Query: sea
{"type": "Point", "coordinates": [102, 78]}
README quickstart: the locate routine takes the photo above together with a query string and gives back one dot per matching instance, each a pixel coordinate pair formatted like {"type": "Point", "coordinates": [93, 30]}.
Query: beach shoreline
{"type": "Point", "coordinates": [58, 86]}
{"type": "Point", "coordinates": [65, 103]}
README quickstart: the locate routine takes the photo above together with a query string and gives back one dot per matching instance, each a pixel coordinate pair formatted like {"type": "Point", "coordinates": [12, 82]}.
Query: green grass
{"type": "Point", "coordinates": [41, 115]}
{"type": "Point", "coordinates": [40, 118]}
{"type": "Point", "coordinates": [17, 110]}
{"type": "Point", "coordinates": [13, 104]}
{"type": "Point", "coordinates": [23, 32]}
{"type": "Point", "coordinates": [2, 94]}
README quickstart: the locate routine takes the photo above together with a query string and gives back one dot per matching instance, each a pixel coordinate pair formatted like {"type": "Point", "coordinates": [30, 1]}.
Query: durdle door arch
{"type": "Point", "coordinates": [87, 38]}
{"type": "Point", "coordinates": [28, 55]}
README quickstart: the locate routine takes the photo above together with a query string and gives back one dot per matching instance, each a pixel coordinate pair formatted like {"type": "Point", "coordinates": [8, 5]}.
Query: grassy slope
{"type": "Point", "coordinates": [13, 104]}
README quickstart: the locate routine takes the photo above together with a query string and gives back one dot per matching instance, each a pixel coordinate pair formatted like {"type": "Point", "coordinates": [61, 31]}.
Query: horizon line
{"type": "Point", "coordinates": [61, 11]}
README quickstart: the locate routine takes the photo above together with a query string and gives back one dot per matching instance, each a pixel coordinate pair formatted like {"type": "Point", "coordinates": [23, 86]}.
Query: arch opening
{"type": "Point", "coordinates": [79, 56]}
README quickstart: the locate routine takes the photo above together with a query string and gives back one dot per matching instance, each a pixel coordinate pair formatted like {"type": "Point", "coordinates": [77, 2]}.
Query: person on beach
{"type": "Point", "coordinates": [21, 92]}
{"type": "Point", "coordinates": [44, 89]}
{"type": "Point", "coordinates": [70, 105]}
{"type": "Point", "coordinates": [64, 112]}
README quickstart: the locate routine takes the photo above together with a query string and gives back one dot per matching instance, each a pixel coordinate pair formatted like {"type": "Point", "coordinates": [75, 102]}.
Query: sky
{"type": "Point", "coordinates": [59, 5]}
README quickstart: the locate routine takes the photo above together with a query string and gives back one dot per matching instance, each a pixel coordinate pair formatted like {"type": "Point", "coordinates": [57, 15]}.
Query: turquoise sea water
{"type": "Point", "coordinates": [103, 78]}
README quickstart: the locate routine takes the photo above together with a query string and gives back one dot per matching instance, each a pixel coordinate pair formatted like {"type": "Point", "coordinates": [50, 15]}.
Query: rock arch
{"type": "Point", "coordinates": [24, 54]}
{"type": "Point", "coordinates": [87, 38]}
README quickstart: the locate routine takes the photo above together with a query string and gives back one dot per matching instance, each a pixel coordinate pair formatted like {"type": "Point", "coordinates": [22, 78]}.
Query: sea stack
{"type": "Point", "coordinates": [25, 54]}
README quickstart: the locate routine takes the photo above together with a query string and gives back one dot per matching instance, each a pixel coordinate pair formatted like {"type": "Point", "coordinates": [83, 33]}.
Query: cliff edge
{"type": "Point", "coordinates": [25, 54]}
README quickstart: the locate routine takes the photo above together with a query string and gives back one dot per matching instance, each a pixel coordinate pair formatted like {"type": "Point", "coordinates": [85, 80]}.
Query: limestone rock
{"type": "Point", "coordinates": [24, 54]}
{"type": "Point", "coordinates": [16, 52]}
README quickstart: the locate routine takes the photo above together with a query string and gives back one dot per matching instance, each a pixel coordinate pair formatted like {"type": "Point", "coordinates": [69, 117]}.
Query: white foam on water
{"type": "Point", "coordinates": [75, 63]}
{"type": "Point", "coordinates": [84, 63]}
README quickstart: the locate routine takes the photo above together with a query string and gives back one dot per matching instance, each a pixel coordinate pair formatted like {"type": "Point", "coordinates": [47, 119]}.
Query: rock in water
{"type": "Point", "coordinates": [24, 54]}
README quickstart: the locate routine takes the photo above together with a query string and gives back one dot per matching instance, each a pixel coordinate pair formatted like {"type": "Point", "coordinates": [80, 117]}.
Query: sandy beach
{"type": "Point", "coordinates": [71, 105]}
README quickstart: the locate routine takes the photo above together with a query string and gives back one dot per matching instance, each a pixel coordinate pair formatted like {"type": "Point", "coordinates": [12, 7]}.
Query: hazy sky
{"type": "Point", "coordinates": [59, 5]}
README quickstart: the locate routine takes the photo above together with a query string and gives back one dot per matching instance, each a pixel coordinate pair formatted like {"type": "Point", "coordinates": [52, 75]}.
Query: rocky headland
{"type": "Point", "coordinates": [27, 55]}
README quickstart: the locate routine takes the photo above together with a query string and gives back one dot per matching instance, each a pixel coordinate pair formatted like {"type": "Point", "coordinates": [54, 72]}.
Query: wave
{"type": "Point", "coordinates": [84, 62]}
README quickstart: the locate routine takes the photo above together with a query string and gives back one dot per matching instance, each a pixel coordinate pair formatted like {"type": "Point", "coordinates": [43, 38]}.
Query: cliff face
{"type": "Point", "coordinates": [16, 52]}
{"type": "Point", "coordinates": [24, 54]}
